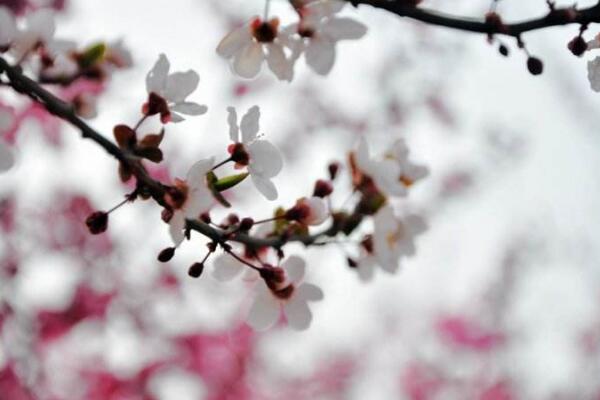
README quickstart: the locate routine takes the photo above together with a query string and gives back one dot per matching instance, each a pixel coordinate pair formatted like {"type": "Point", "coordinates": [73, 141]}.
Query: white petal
{"type": "Point", "coordinates": [298, 314]}
{"type": "Point", "coordinates": [41, 22]}
{"type": "Point", "coordinates": [265, 159]}
{"type": "Point", "coordinates": [247, 62]}
{"type": "Point", "coordinates": [156, 80]}
{"type": "Point", "coordinates": [363, 158]}
{"type": "Point", "coordinates": [175, 118]}
{"type": "Point", "coordinates": [325, 8]}
{"type": "Point", "coordinates": [309, 292]}
{"type": "Point", "coordinates": [249, 124]}
{"type": "Point", "coordinates": [344, 28]}
{"type": "Point", "coordinates": [294, 268]}
{"type": "Point", "coordinates": [189, 108]}
{"type": "Point", "coordinates": [320, 55]}
{"type": "Point", "coordinates": [176, 226]}
{"type": "Point", "coordinates": [196, 175]}
{"type": "Point", "coordinates": [366, 269]}
{"type": "Point", "coordinates": [234, 130]}
{"type": "Point", "coordinates": [318, 211]}
{"type": "Point", "coordinates": [225, 268]}
{"type": "Point", "coordinates": [8, 26]}
{"type": "Point", "coordinates": [281, 67]}
{"type": "Point", "coordinates": [180, 85]}
{"type": "Point", "coordinates": [199, 201]}
{"type": "Point", "coordinates": [594, 74]}
{"type": "Point", "coordinates": [264, 312]}
{"type": "Point", "coordinates": [7, 159]}
{"type": "Point", "coordinates": [233, 43]}
{"type": "Point", "coordinates": [265, 186]}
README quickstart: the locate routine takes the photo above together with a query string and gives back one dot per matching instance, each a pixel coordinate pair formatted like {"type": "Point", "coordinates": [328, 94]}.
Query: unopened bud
{"type": "Point", "coordinates": [205, 217]}
{"type": "Point", "coordinates": [246, 224]}
{"type": "Point", "coordinates": [196, 270]}
{"type": "Point", "coordinates": [502, 49]}
{"type": "Point", "coordinates": [351, 262]}
{"type": "Point", "coordinates": [97, 222]}
{"type": "Point", "coordinates": [535, 66]}
{"type": "Point", "coordinates": [322, 188]}
{"type": "Point", "coordinates": [333, 169]}
{"type": "Point", "coordinates": [578, 46]}
{"type": "Point", "coordinates": [166, 255]}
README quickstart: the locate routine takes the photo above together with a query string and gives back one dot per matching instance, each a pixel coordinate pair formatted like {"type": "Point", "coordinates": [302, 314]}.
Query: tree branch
{"type": "Point", "coordinates": [59, 108]}
{"type": "Point", "coordinates": [555, 17]}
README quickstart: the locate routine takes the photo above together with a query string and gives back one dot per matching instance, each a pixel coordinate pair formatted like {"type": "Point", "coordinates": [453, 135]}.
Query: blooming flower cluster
{"type": "Point", "coordinates": [315, 35]}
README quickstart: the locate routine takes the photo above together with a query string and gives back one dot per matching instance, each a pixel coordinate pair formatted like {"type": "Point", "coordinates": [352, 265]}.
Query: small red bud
{"type": "Point", "coordinates": [351, 262]}
{"type": "Point", "coordinates": [166, 254]}
{"type": "Point", "coordinates": [502, 49]}
{"type": "Point", "coordinates": [578, 46]}
{"type": "Point", "coordinates": [97, 222]}
{"type": "Point", "coordinates": [196, 270]}
{"type": "Point", "coordinates": [246, 224]}
{"type": "Point", "coordinates": [232, 219]}
{"type": "Point", "coordinates": [322, 188]}
{"type": "Point", "coordinates": [333, 169]}
{"type": "Point", "coordinates": [205, 217]}
{"type": "Point", "coordinates": [535, 66]}
{"type": "Point", "coordinates": [166, 215]}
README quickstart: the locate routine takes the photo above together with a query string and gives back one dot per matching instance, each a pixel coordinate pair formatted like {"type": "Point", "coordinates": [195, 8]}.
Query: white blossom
{"type": "Point", "coordinates": [291, 296]}
{"type": "Point", "coordinates": [264, 159]}
{"type": "Point", "coordinates": [198, 199]}
{"type": "Point", "coordinates": [409, 172]}
{"type": "Point", "coordinates": [318, 32]}
{"type": "Point", "coordinates": [393, 237]}
{"type": "Point", "coordinates": [174, 89]}
{"type": "Point", "coordinates": [248, 46]}
{"type": "Point", "coordinates": [38, 28]}
{"type": "Point", "coordinates": [385, 173]}
{"type": "Point", "coordinates": [7, 120]}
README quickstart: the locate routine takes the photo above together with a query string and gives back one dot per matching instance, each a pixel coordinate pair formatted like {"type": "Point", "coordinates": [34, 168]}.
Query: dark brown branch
{"type": "Point", "coordinates": [555, 17]}
{"type": "Point", "coordinates": [59, 108]}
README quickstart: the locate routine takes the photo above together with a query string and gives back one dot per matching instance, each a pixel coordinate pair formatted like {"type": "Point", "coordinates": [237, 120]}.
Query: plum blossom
{"type": "Point", "coordinates": [318, 32]}
{"type": "Point", "coordinates": [393, 237]}
{"type": "Point", "coordinates": [167, 92]}
{"type": "Point", "coordinates": [193, 198]}
{"type": "Point", "coordinates": [248, 46]}
{"type": "Point", "coordinates": [385, 173]}
{"type": "Point", "coordinates": [8, 27]}
{"type": "Point", "coordinates": [282, 289]}
{"type": "Point", "coordinates": [262, 158]}
{"type": "Point", "coordinates": [38, 29]}
{"type": "Point", "coordinates": [309, 211]}
{"type": "Point", "coordinates": [409, 172]}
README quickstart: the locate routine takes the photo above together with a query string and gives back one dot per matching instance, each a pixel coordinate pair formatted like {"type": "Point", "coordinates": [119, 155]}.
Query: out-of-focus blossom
{"type": "Point", "coordinates": [318, 32]}
{"type": "Point", "coordinates": [309, 211]}
{"type": "Point", "coordinates": [394, 237]}
{"type": "Point", "coordinates": [251, 44]}
{"type": "Point", "coordinates": [594, 74]}
{"type": "Point", "coordinates": [167, 93]}
{"type": "Point", "coordinates": [262, 158]}
{"type": "Point", "coordinates": [282, 290]}
{"type": "Point", "coordinates": [463, 333]}
{"type": "Point", "coordinates": [385, 173]}
{"type": "Point", "coordinates": [38, 29]}
{"type": "Point", "coordinates": [8, 27]}
{"type": "Point", "coordinates": [196, 198]}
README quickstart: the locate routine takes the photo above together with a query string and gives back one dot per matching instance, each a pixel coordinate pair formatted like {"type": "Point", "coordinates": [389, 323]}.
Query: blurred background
{"type": "Point", "coordinates": [500, 301]}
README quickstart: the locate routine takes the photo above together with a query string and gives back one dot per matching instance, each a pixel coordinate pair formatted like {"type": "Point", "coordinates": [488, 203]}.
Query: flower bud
{"type": "Point", "coordinates": [196, 270]}
{"type": "Point", "coordinates": [333, 169]}
{"type": "Point", "coordinates": [502, 49]}
{"type": "Point", "coordinates": [535, 66]}
{"type": "Point", "coordinates": [578, 46]}
{"type": "Point", "coordinates": [97, 222]}
{"type": "Point", "coordinates": [205, 217]}
{"type": "Point", "coordinates": [322, 188]}
{"type": "Point", "coordinates": [246, 224]}
{"type": "Point", "coordinates": [166, 254]}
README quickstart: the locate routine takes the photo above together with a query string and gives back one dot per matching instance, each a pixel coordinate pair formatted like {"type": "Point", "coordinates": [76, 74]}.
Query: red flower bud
{"type": "Point", "coordinates": [97, 222]}
{"type": "Point", "coordinates": [166, 254]}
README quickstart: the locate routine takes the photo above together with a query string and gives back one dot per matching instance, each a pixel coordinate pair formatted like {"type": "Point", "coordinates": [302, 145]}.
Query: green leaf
{"type": "Point", "coordinates": [229, 181]}
{"type": "Point", "coordinates": [92, 55]}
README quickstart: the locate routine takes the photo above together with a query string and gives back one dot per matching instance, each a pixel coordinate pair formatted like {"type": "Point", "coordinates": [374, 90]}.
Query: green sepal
{"type": "Point", "coordinates": [229, 181]}
{"type": "Point", "coordinates": [212, 180]}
